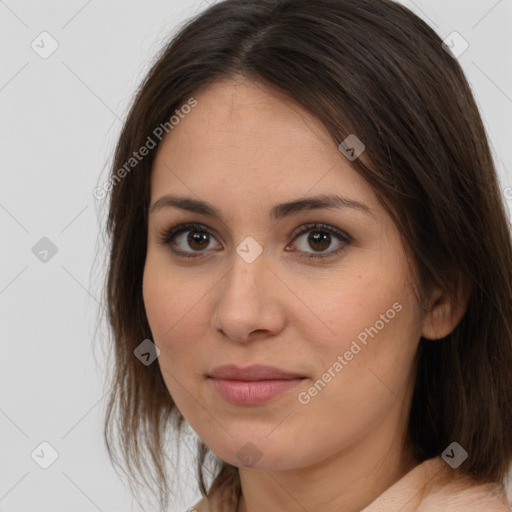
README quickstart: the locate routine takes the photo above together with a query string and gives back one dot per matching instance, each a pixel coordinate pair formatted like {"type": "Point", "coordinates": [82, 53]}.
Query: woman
{"type": "Point", "coordinates": [311, 266]}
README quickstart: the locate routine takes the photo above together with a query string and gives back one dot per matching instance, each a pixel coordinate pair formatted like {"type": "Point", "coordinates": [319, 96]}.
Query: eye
{"type": "Point", "coordinates": [189, 236]}
{"type": "Point", "coordinates": [320, 238]}
{"type": "Point", "coordinates": [199, 238]}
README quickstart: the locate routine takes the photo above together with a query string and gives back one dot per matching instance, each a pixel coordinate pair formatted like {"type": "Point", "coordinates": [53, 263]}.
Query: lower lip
{"type": "Point", "coordinates": [241, 392]}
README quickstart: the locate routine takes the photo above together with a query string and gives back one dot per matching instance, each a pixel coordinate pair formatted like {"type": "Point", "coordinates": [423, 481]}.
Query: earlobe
{"type": "Point", "coordinates": [446, 312]}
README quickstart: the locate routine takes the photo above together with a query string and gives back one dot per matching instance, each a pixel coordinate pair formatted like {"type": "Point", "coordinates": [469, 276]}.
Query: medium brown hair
{"type": "Point", "coordinates": [365, 67]}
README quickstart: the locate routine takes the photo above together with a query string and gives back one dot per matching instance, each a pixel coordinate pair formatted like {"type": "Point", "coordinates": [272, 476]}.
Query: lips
{"type": "Point", "coordinates": [252, 385]}
{"type": "Point", "coordinates": [252, 373]}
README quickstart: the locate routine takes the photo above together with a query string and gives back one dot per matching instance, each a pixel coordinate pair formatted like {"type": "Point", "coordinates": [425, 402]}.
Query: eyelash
{"type": "Point", "coordinates": [166, 237]}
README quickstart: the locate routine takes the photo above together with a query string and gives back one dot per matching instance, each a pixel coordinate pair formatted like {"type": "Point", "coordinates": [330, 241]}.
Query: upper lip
{"type": "Point", "coordinates": [252, 373]}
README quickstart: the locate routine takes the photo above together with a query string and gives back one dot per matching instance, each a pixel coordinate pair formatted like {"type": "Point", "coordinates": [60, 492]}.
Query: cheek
{"type": "Point", "coordinates": [173, 310]}
{"type": "Point", "coordinates": [365, 371]}
{"type": "Point", "coordinates": [171, 307]}
{"type": "Point", "coordinates": [341, 307]}
{"type": "Point", "coordinates": [368, 362]}
{"type": "Point", "coordinates": [367, 315]}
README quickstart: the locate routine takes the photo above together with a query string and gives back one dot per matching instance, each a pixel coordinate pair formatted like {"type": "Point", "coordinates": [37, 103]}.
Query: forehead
{"type": "Point", "coordinates": [244, 141]}
{"type": "Point", "coordinates": [234, 116]}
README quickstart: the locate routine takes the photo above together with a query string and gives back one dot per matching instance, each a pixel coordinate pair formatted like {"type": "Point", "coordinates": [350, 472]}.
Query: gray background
{"type": "Point", "coordinates": [60, 118]}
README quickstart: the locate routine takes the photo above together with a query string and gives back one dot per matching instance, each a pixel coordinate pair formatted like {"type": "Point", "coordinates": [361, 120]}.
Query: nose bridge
{"type": "Point", "coordinates": [243, 304]}
{"type": "Point", "coordinates": [248, 267]}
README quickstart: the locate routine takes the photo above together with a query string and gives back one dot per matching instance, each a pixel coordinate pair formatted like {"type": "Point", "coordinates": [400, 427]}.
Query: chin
{"type": "Point", "coordinates": [259, 453]}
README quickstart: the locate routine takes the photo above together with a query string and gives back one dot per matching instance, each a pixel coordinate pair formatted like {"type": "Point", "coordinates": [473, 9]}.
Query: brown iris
{"type": "Point", "coordinates": [319, 238]}
{"type": "Point", "coordinates": [197, 238]}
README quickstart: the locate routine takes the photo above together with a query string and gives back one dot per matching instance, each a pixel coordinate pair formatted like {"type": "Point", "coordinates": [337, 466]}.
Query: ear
{"type": "Point", "coordinates": [446, 310]}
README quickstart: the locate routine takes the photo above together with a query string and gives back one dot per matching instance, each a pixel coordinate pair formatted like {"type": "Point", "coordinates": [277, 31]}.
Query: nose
{"type": "Point", "coordinates": [248, 304]}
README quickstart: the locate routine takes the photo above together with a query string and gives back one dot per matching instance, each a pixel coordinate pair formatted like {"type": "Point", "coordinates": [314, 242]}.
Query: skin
{"type": "Point", "coordinates": [243, 148]}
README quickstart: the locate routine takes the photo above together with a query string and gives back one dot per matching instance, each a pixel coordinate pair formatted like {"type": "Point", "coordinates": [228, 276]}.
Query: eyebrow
{"type": "Point", "coordinates": [277, 212]}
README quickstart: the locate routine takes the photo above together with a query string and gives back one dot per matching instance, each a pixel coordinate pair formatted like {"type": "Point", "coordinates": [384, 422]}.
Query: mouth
{"type": "Point", "coordinates": [252, 385]}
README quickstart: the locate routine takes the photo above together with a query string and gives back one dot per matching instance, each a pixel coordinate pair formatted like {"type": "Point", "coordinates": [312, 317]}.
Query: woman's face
{"type": "Point", "coordinates": [260, 284]}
